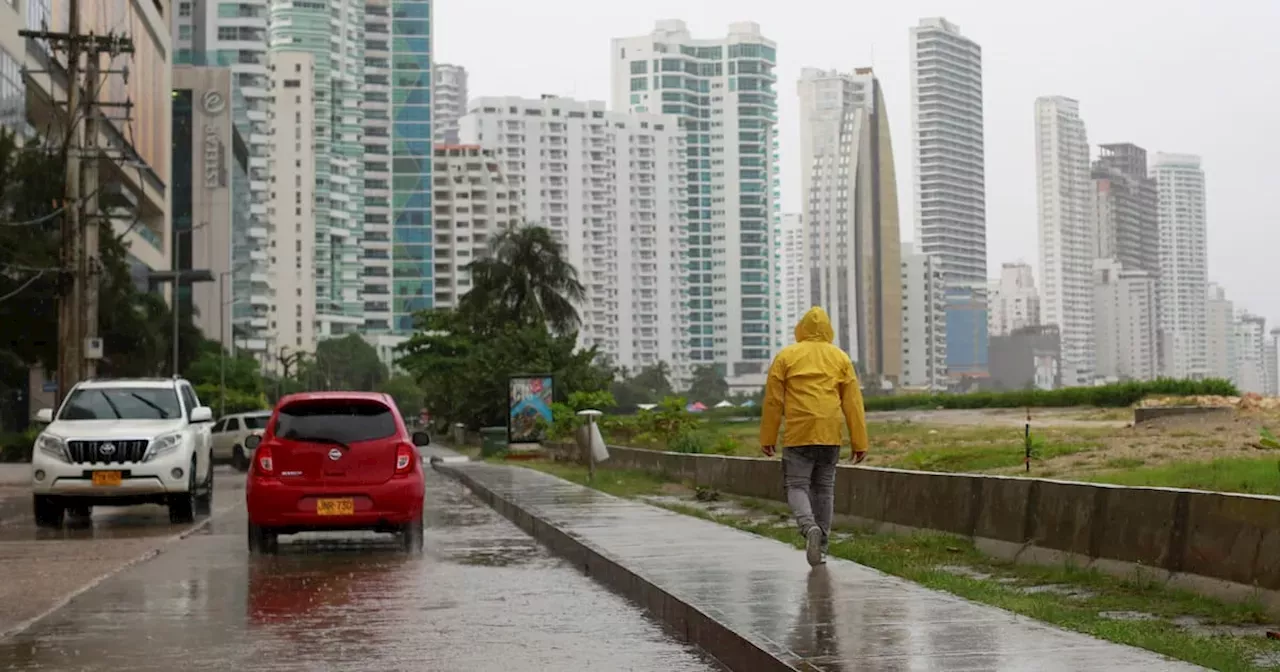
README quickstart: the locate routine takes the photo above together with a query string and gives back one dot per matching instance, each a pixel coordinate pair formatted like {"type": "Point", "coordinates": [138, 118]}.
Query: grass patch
{"type": "Point", "coordinates": [919, 558]}
{"type": "Point", "coordinates": [1124, 463]}
{"type": "Point", "coordinates": [1259, 476]}
{"type": "Point", "coordinates": [983, 458]}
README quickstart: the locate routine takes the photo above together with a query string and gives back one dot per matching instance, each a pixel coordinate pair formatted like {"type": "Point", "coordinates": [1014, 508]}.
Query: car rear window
{"type": "Point", "coordinates": [348, 421]}
{"type": "Point", "coordinates": [256, 421]}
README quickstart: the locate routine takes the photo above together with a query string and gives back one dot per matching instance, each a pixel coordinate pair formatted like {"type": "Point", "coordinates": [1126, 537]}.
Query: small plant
{"type": "Point", "coordinates": [707, 495]}
{"type": "Point", "coordinates": [726, 445]}
{"type": "Point", "coordinates": [1267, 440]}
{"type": "Point", "coordinates": [688, 442]}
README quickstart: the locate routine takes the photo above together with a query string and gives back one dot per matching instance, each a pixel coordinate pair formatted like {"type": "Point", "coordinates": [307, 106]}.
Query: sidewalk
{"type": "Point", "coordinates": [756, 605]}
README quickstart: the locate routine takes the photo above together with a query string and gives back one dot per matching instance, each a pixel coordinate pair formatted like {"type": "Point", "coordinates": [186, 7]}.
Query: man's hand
{"type": "Point", "coordinates": [859, 456]}
{"type": "Point", "coordinates": [769, 451]}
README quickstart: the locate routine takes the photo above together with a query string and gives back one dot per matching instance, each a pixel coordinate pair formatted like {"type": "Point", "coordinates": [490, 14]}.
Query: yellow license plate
{"type": "Point", "coordinates": [335, 507]}
{"type": "Point", "coordinates": [107, 478]}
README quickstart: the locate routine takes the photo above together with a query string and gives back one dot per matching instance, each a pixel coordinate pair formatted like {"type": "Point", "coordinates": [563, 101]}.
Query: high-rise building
{"type": "Point", "coordinates": [1067, 246]}
{"type": "Point", "coordinates": [212, 200]}
{"type": "Point", "coordinates": [722, 91]}
{"type": "Point", "coordinates": [474, 204]}
{"type": "Point", "coordinates": [1220, 317]}
{"type": "Point", "coordinates": [851, 215]}
{"type": "Point", "coordinates": [948, 162]}
{"type": "Point", "coordinates": [1184, 269]}
{"type": "Point", "coordinates": [234, 35]}
{"type": "Point", "coordinates": [377, 250]}
{"type": "Point", "coordinates": [1013, 300]}
{"type": "Point", "coordinates": [449, 98]}
{"type": "Point", "coordinates": [795, 270]}
{"type": "Point", "coordinates": [924, 321]}
{"type": "Point", "coordinates": [1125, 208]}
{"type": "Point", "coordinates": [333, 35]}
{"type": "Point", "coordinates": [1125, 322]}
{"type": "Point", "coordinates": [293, 325]}
{"type": "Point", "coordinates": [611, 187]}
{"type": "Point", "coordinates": [1251, 348]}
{"type": "Point", "coordinates": [1273, 363]}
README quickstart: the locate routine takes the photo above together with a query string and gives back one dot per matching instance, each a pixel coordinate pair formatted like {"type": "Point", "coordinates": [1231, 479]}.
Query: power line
{"type": "Point", "coordinates": [30, 281]}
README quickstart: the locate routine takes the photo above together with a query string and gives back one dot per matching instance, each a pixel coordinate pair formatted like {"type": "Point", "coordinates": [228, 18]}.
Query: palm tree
{"type": "Point", "coordinates": [527, 278]}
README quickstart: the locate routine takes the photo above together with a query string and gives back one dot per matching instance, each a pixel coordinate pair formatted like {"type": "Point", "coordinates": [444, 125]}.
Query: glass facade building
{"type": "Point", "coordinates": [411, 161]}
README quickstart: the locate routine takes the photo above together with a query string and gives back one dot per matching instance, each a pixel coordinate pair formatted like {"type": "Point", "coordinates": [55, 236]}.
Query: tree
{"type": "Point", "coordinates": [408, 394]}
{"type": "Point", "coordinates": [648, 386]}
{"type": "Point", "coordinates": [245, 388]}
{"type": "Point", "coordinates": [463, 363]}
{"type": "Point", "coordinates": [526, 279]}
{"type": "Point", "coordinates": [134, 325]}
{"type": "Point", "coordinates": [347, 363]}
{"type": "Point", "coordinates": [708, 386]}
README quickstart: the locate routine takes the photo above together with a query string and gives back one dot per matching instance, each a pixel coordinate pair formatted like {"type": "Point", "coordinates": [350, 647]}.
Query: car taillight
{"type": "Point", "coordinates": [404, 458]}
{"type": "Point", "coordinates": [265, 466]}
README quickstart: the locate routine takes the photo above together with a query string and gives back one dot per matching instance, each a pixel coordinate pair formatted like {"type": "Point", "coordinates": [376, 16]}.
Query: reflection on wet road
{"type": "Point", "coordinates": [483, 597]}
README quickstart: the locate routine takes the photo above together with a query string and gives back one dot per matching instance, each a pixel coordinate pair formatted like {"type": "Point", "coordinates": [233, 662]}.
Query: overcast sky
{"type": "Point", "coordinates": [1183, 76]}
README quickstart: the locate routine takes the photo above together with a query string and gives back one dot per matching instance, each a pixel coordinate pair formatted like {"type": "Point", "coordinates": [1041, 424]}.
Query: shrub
{"type": "Point", "coordinates": [18, 446]}
{"type": "Point", "coordinates": [1117, 395]}
{"type": "Point", "coordinates": [688, 442]}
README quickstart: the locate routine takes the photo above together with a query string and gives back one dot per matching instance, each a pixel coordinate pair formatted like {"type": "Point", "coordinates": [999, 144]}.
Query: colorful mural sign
{"type": "Point", "coordinates": [529, 399]}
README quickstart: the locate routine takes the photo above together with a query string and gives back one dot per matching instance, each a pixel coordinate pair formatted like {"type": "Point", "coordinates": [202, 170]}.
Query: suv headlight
{"type": "Point", "coordinates": [53, 446]}
{"type": "Point", "coordinates": [162, 445]}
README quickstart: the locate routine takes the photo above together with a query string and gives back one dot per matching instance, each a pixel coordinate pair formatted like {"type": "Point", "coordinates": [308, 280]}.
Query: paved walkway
{"type": "Point", "coordinates": [839, 617]}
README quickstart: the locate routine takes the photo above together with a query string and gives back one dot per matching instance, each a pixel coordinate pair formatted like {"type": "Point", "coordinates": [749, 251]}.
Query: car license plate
{"type": "Point", "coordinates": [110, 478]}
{"type": "Point", "coordinates": [335, 507]}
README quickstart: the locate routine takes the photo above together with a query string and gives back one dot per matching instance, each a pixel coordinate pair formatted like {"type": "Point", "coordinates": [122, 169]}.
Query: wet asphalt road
{"type": "Point", "coordinates": [482, 597]}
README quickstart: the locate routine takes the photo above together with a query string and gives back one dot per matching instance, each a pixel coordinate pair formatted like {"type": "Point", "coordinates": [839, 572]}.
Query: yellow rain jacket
{"type": "Point", "coordinates": [812, 383]}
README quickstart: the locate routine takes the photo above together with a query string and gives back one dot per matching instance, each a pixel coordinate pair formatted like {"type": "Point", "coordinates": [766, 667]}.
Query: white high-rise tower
{"type": "Point", "coordinates": [1184, 266]}
{"type": "Point", "coordinates": [722, 90]}
{"type": "Point", "coordinates": [1067, 245]}
{"type": "Point", "coordinates": [948, 162]}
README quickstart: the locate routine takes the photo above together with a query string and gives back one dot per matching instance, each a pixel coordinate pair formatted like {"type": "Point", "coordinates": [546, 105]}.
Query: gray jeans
{"type": "Point", "coordinates": [809, 475]}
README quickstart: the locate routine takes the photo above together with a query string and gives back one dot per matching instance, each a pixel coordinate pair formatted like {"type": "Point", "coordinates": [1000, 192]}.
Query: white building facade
{"type": "Point", "coordinates": [948, 151]}
{"type": "Point", "coordinates": [474, 203]}
{"type": "Point", "coordinates": [851, 215]}
{"type": "Point", "coordinates": [1221, 358]}
{"type": "Point", "coordinates": [292, 270]}
{"type": "Point", "coordinates": [1013, 300]}
{"type": "Point", "coordinates": [924, 320]}
{"type": "Point", "coordinates": [1066, 232]}
{"type": "Point", "coordinates": [1251, 346]}
{"type": "Point", "coordinates": [794, 273]}
{"type": "Point", "coordinates": [611, 186]}
{"type": "Point", "coordinates": [1184, 265]}
{"type": "Point", "coordinates": [722, 92]}
{"type": "Point", "coordinates": [1125, 320]}
{"type": "Point", "coordinates": [449, 101]}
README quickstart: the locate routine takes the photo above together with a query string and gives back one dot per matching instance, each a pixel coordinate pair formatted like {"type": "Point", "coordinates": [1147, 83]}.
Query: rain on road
{"type": "Point", "coordinates": [484, 596]}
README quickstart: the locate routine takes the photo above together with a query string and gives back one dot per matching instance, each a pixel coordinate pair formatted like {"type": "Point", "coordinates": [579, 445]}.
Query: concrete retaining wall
{"type": "Point", "coordinates": [1225, 545]}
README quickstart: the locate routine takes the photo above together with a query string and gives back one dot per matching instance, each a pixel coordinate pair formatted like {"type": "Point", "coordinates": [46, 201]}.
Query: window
{"type": "Point", "coordinates": [227, 33]}
{"type": "Point", "coordinates": [122, 403]}
{"type": "Point", "coordinates": [233, 424]}
{"type": "Point", "coordinates": [218, 426]}
{"type": "Point", "coordinates": [346, 421]}
{"type": "Point", "coordinates": [189, 399]}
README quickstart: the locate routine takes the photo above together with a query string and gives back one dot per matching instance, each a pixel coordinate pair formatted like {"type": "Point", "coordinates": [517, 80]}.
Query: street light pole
{"type": "Point", "coordinates": [222, 348]}
{"type": "Point", "coordinates": [177, 305]}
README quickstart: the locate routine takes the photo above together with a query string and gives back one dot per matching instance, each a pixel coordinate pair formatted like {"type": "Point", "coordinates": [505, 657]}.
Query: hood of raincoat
{"type": "Point", "coordinates": [815, 326]}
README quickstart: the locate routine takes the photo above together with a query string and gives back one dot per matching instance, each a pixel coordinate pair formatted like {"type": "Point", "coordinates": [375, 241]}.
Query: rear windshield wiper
{"type": "Point", "coordinates": [318, 439]}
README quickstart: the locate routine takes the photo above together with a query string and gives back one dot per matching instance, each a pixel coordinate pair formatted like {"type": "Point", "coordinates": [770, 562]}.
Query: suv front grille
{"type": "Point", "coordinates": [107, 452]}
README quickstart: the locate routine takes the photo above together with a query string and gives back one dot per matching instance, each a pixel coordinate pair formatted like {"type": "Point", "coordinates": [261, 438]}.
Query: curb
{"type": "Point", "coordinates": [65, 600]}
{"type": "Point", "coordinates": [731, 649]}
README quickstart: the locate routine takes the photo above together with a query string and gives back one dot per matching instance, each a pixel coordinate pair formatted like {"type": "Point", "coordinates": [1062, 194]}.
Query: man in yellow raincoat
{"type": "Point", "coordinates": [813, 386]}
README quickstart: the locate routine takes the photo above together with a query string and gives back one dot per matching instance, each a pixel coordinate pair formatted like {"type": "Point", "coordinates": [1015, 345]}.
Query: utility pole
{"type": "Point", "coordinates": [80, 258]}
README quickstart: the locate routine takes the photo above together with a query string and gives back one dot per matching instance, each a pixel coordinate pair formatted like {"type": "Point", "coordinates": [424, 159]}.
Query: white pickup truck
{"type": "Point", "coordinates": [123, 442]}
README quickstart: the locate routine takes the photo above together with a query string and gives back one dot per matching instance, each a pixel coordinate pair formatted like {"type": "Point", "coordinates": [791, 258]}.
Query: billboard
{"type": "Point", "coordinates": [529, 398]}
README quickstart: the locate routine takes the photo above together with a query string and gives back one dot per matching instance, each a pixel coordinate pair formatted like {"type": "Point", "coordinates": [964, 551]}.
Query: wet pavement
{"type": "Point", "coordinates": [483, 596]}
{"type": "Point", "coordinates": [840, 617]}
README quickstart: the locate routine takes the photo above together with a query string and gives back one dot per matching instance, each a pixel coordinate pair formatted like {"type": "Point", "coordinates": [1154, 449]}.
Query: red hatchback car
{"type": "Point", "coordinates": [331, 461]}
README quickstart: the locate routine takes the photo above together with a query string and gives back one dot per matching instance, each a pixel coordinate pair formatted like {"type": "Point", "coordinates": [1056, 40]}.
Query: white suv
{"type": "Point", "coordinates": [122, 442]}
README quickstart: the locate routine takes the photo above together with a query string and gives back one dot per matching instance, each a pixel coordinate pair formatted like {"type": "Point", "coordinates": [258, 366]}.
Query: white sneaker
{"type": "Point", "coordinates": [813, 547]}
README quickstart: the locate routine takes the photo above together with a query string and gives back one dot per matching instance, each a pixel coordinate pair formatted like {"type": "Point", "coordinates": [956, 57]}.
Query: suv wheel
{"type": "Point", "coordinates": [204, 500]}
{"type": "Point", "coordinates": [239, 460]}
{"type": "Point", "coordinates": [49, 511]}
{"type": "Point", "coordinates": [262, 541]}
{"type": "Point", "coordinates": [182, 505]}
{"type": "Point", "coordinates": [411, 536]}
